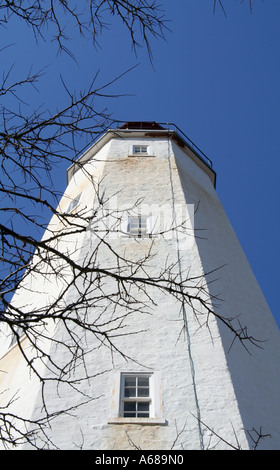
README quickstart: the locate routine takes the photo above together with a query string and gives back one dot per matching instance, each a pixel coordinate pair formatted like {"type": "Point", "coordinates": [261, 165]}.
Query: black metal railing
{"type": "Point", "coordinates": [152, 125]}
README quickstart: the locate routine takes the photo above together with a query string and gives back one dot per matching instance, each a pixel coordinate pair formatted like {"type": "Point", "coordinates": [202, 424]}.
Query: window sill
{"type": "Point", "coordinates": [140, 155]}
{"type": "Point", "coordinates": [139, 237]}
{"type": "Point", "coordinates": [149, 421]}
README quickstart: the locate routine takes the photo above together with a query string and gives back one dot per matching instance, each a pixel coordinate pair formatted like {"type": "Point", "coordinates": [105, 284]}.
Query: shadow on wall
{"type": "Point", "coordinates": [254, 368]}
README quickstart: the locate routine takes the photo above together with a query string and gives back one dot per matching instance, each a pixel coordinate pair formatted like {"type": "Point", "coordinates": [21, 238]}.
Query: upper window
{"type": "Point", "coordinates": [73, 204]}
{"type": "Point", "coordinates": [140, 149]}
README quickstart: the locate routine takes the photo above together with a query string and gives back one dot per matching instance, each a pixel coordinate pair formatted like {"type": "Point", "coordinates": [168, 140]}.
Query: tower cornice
{"type": "Point", "coordinates": [147, 130]}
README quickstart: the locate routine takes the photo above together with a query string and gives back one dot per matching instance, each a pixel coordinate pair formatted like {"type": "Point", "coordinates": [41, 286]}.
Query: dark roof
{"type": "Point", "coordinates": [141, 125]}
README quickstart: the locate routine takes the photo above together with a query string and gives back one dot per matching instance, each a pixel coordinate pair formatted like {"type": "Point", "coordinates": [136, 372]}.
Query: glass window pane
{"type": "Point", "coordinates": [143, 381]}
{"type": "Point", "coordinates": [130, 381]}
{"type": "Point", "coordinates": [130, 392]}
{"type": "Point", "coordinates": [143, 392]}
{"type": "Point", "coordinates": [74, 203]}
{"type": "Point", "coordinates": [143, 386]}
{"type": "Point", "coordinates": [143, 223]}
{"type": "Point", "coordinates": [143, 406]}
{"type": "Point", "coordinates": [134, 221]}
{"type": "Point", "coordinates": [129, 406]}
{"type": "Point", "coordinates": [129, 415]}
{"type": "Point", "coordinates": [133, 224]}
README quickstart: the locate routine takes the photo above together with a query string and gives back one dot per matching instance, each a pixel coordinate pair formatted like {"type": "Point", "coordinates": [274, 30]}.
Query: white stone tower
{"type": "Point", "coordinates": [185, 353]}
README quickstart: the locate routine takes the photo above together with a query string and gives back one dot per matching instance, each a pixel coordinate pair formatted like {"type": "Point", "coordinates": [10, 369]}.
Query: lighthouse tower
{"type": "Point", "coordinates": [161, 337]}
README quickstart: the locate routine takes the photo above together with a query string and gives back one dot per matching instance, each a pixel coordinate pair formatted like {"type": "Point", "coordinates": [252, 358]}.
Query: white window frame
{"type": "Point", "coordinates": [137, 225]}
{"type": "Point", "coordinates": [140, 150]}
{"type": "Point", "coordinates": [144, 228]}
{"type": "Point", "coordinates": [118, 399]}
{"type": "Point", "coordinates": [136, 398]}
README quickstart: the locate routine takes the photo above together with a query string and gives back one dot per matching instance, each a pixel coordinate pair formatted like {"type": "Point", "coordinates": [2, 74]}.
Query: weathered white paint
{"type": "Point", "coordinates": [230, 392]}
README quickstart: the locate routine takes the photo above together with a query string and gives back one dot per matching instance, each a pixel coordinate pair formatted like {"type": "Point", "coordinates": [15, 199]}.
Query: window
{"type": "Point", "coordinates": [16, 335]}
{"type": "Point", "coordinates": [73, 204]}
{"type": "Point", "coordinates": [140, 149]}
{"type": "Point", "coordinates": [137, 225]}
{"type": "Point", "coordinates": [136, 398]}
{"type": "Point", "coordinates": [14, 340]}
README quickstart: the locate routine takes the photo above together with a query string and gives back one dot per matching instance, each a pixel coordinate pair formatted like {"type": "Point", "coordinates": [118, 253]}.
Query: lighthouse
{"type": "Point", "coordinates": [153, 332]}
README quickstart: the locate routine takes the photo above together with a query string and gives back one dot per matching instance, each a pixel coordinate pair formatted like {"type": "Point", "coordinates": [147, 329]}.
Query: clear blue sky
{"type": "Point", "coordinates": [218, 79]}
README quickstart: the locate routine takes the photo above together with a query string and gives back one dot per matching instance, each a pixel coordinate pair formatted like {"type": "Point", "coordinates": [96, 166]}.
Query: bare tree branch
{"type": "Point", "coordinates": [35, 255]}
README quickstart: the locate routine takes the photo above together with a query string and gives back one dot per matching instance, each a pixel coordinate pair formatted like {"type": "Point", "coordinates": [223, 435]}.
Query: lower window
{"type": "Point", "coordinates": [135, 396]}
